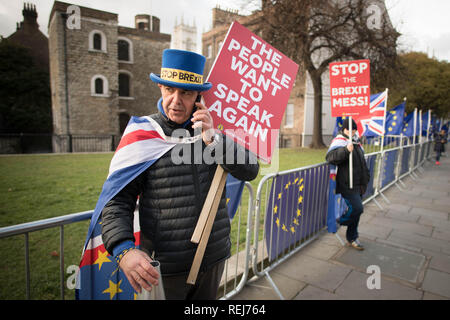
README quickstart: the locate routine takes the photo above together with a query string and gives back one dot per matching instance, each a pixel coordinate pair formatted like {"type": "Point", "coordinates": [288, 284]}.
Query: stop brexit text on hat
{"type": "Point", "coordinates": [252, 82]}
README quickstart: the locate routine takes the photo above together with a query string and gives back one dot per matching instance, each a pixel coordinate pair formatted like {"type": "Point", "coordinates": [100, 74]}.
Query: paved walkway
{"type": "Point", "coordinates": [408, 241]}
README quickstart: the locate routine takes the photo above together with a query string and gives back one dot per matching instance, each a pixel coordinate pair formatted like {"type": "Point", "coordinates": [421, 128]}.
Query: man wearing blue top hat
{"type": "Point", "coordinates": [171, 195]}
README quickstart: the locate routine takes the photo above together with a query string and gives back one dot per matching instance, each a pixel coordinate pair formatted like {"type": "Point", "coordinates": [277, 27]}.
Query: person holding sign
{"type": "Point", "coordinates": [338, 154]}
{"type": "Point", "coordinates": [171, 194]}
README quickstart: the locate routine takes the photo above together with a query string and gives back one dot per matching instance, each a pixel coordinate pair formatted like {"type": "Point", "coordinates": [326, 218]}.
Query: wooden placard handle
{"type": "Point", "coordinates": [206, 221]}
{"type": "Point", "coordinates": [201, 223]}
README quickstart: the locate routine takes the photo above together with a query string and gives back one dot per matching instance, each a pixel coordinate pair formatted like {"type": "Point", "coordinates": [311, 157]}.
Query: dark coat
{"type": "Point", "coordinates": [439, 142]}
{"type": "Point", "coordinates": [361, 174]}
{"type": "Point", "coordinates": [170, 201]}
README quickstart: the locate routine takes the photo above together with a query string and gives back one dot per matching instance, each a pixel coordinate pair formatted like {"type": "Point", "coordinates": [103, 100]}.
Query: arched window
{"type": "Point", "coordinates": [124, 50]}
{"type": "Point", "coordinates": [97, 41]}
{"type": "Point", "coordinates": [289, 116]}
{"type": "Point", "coordinates": [99, 86]}
{"type": "Point", "coordinates": [124, 85]}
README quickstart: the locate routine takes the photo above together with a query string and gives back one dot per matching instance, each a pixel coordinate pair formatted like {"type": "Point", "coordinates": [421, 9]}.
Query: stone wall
{"type": "Point", "coordinates": [57, 75]}
{"type": "Point", "coordinates": [74, 65]}
{"type": "Point", "coordinates": [92, 114]}
{"type": "Point", "coordinates": [147, 55]}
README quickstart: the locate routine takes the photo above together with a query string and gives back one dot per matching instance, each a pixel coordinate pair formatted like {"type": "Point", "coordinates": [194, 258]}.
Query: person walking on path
{"type": "Point", "coordinates": [338, 155]}
{"type": "Point", "coordinates": [440, 139]}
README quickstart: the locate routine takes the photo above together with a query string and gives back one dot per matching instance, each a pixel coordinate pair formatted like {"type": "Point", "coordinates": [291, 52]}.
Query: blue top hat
{"type": "Point", "coordinates": [182, 69]}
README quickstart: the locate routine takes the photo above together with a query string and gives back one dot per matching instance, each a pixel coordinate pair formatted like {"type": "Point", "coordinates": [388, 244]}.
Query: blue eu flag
{"type": "Point", "coordinates": [408, 125]}
{"type": "Point", "coordinates": [394, 120]}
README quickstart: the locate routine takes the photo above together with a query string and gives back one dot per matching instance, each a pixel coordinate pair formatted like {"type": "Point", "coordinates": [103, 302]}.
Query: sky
{"type": "Point", "coordinates": [168, 11]}
{"type": "Point", "coordinates": [424, 24]}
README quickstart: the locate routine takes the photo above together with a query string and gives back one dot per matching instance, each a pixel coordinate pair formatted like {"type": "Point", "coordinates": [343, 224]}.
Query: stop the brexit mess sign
{"type": "Point", "coordinates": [350, 88]}
{"type": "Point", "coordinates": [252, 82]}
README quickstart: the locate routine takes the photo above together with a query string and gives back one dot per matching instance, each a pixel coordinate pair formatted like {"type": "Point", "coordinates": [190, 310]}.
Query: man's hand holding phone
{"type": "Point", "coordinates": [201, 118]}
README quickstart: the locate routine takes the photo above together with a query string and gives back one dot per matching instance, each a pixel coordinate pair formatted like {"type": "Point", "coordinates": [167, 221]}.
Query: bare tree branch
{"type": "Point", "coordinates": [316, 32]}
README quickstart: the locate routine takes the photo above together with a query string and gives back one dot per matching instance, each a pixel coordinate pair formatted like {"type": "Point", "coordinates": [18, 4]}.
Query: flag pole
{"type": "Point", "coordinates": [429, 123]}
{"type": "Point", "coordinates": [415, 124]}
{"type": "Point", "coordinates": [350, 159]}
{"type": "Point", "coordinates": [404, 99]}
{"type": "Point", "coordinates": [384, 121]}
{"type": "Point", "coordinates": [420, 127]}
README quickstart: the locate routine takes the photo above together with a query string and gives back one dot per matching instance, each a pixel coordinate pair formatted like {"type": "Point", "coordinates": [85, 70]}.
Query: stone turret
{"type": "Point", "coordinates": [28, 35]}
{"type": "Point", "coordinates": [147, 22]}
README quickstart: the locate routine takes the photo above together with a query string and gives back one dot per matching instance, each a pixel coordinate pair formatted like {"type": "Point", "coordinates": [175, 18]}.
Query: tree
{"type": "Point", "coordinates": [424, 82]}
{"type": "Point", "coordinates": [25, 101]}
{"type": "Point", "coordinates": [314, 33]}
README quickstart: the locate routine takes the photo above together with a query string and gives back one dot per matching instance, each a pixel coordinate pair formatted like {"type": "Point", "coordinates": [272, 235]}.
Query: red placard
{"type": "Point", "coordinates": [350, 88]}
{"type": "Point", "coordinates": [252, 82]}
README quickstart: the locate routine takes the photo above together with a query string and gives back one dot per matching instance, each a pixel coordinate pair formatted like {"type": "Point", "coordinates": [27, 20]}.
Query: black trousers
{"type": "Point", "coordinates": [351, 217]}
{"type": "Point", "coordinates": [176, 288]}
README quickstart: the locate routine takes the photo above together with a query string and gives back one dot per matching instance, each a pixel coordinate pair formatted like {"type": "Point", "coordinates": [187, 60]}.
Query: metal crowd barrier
{"type": "Point", "coordinates": [373, 164]}
{"type": "Point", "coordinates": [236, 267]}
{"type": "Point", "coordinates": [301, 194]}
{"type": "Point", "coordinates": [292, 214]}
{"type": "Point", "coordinates": [396, 163]}
{"type": "Point", "coordinates": [26, 228]}
{"type": "Point", "coordinates": [387, 168]}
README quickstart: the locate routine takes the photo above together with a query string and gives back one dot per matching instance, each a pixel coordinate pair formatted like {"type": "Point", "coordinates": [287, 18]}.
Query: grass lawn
{"type": "Point", "coordinates": [35, 187]}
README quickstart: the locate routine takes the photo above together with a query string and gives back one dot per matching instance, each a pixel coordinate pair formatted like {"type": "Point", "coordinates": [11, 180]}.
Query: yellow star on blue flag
{"type": "Point", "coordinates": [113, 289]}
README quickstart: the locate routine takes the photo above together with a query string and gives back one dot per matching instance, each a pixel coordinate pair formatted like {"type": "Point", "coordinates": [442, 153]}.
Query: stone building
{"type": "Point", "coordinates": [25, 116]}
{"type": "Point", "coordinates": [184, 36]}
{"type": "Point", "coordinates": [292, 126]}
{"type": "Point", "coordinates": [29, 36]}
{"type": "Point", "coordinates": [99, 74]}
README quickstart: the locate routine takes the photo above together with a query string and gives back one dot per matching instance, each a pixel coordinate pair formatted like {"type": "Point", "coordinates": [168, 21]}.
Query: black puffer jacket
{"type": "Point", "coordinates": [361, 174]}
{"type": "Point", "coordinates": [439, 142]}
{"type": "Point", "coordinates": [170, 201]}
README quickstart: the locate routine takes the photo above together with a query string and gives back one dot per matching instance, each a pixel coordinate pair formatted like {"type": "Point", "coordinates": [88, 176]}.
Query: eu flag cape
{"type": "Point", "coordinates": [335, 203]}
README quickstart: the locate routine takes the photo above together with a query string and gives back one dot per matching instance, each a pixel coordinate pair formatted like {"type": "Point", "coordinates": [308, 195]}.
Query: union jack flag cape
{"type": "Point", "coordinates": [336, 205]}
{"type": "Point", "coordinates": [142, 144]}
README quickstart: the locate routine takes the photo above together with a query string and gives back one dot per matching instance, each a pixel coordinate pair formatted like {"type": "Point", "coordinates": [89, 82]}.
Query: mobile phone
{"type": "Point", "coordinates": [198, 99]}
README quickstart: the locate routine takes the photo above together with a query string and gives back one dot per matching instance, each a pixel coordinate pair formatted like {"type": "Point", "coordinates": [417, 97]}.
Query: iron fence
{"type": "Point", "coordinates": [48, 143]}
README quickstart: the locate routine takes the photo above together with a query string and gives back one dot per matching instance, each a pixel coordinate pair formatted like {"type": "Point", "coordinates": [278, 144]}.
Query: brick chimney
{"type": "Point", "coordinates": [29, 16]}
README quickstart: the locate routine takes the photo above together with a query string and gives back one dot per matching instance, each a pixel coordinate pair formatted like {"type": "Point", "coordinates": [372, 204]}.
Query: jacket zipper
{"type": "Point", "coordinates": [196, 181]}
